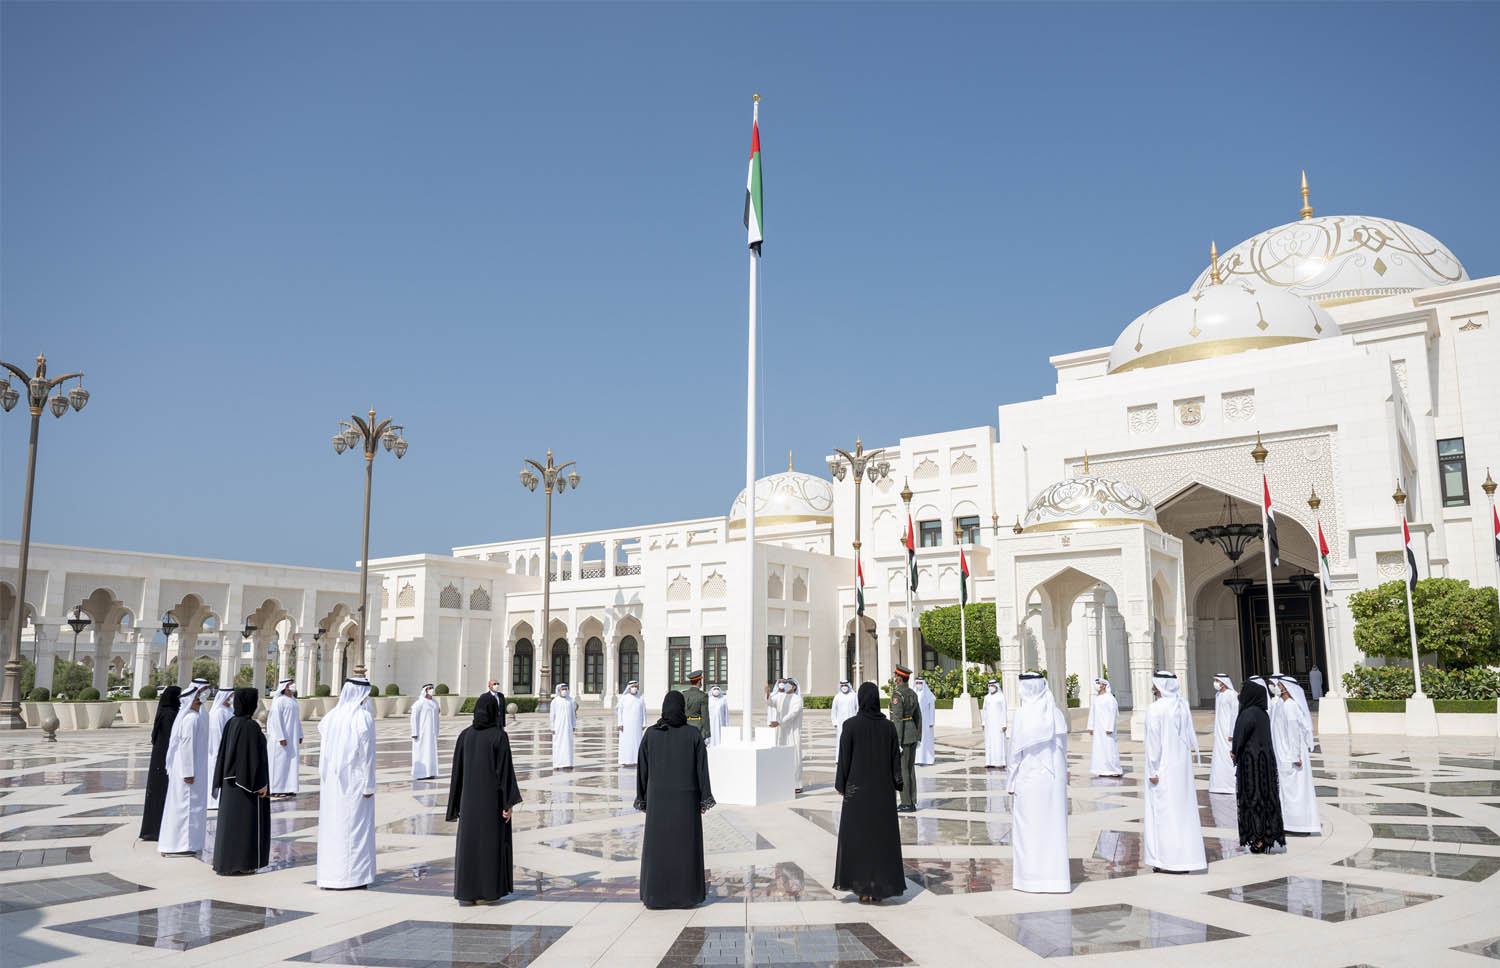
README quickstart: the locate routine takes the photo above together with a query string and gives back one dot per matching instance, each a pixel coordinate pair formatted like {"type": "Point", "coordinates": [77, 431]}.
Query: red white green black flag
{"type": "Point", "coordinates": [859, 588]}
{"type": "Point", "coordinates": [753, 213]}
{"type": "Point", "coordinates": [1323, 560]}
{"type": "Point", "coordinates": [963, 578]}
{"type": "Point", "coordinates": [911, 553]}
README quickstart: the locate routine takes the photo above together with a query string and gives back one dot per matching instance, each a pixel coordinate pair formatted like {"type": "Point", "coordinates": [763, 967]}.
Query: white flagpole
{"type": "Point", "coordinates": [747, 662]}
{"type": "Point", "coordinates": [1259, 453]}
{"type": "Point", "coordinates": [1489, 491]}
{"type": "Point", "coordinates": [1411, 616]}
{"type": "Point", "coordinates": [963, 644]}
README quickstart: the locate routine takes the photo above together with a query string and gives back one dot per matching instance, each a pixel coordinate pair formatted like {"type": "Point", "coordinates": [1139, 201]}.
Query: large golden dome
{"type": "Point", "coordinates": [790, 497]}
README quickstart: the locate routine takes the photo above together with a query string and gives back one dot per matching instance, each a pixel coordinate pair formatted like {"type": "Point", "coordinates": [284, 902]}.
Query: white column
{"type": "Point", "coordinates": [46, 646]}
{"type": "Point", "coordinates": [611, 552]}
{"type": "Point", "coordinates": [305, 650]}
{"type": "Point", "coordinates": [102, 643]}
{"type": "Point", "coordinates": [1140, 645]}
{"type": "Point", "coordinates": [229, 659]}
{"type": "Point", "coordinates": [611, 664]}
{"type": "Point", "coordinates": [141, 667]}
{"type": "Point", "coordinates": [176, 646]}
{"type": "Point", "coordinates": [282, 663]}
{"type": "Point", "coordinates": [575, 661]}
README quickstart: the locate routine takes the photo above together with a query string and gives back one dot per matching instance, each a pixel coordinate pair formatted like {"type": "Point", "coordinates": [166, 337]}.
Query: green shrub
{"type": "Point", "coordinates": [817, 702]}
{"type": "Point", "coordinates": [940, 629]}
{"type": "Point", "coordinates": [1464, 705]}
{"type": "Point", "coordinates": [1071, 683]}
{"type": "Point", "coordinates": [391, 689]}
{"type": "Point", "coordinates": [1397, 682]}
{"type": "Point", "coordinates": [946, 684]}
{"type": "Point", "coordinates": [88, 694]}
{"type": "Point", "coordinates": [324, 689]}
{"type": "Point", "coordinates": [148, 691]}
{"type": "Point", "coordinates": [441, 689]}
{"type": "Point", "coordinates": [468, 705]}
{"type": "Point", "coordinates": [1456, 622]}
{"type": "Point", "coordinates": [524, 704]}
{"type": "Point", "coordinates": [1377, 705]}
{"type": "Point", "coordinates": [1074, 702]}
{"type": "Point", "coordinates": [40, 694]}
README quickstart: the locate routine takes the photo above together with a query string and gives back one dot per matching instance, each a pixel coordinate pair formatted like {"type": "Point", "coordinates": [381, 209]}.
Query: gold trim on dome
{"type": "Point", "coordinates": [1208, 350]}
{"type": "Point", "coordinates": [1087, 523]}
{"type": "Point", "coordinates": [761, 519]}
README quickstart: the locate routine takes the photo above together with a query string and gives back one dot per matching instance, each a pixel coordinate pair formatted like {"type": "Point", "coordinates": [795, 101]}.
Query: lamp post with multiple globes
{"type": "Point", "coordinates": [864, 464]}
{"type": "Point", "coordinates": [552, 479]}
{"type": "Point", "coordinates": [372, 435]}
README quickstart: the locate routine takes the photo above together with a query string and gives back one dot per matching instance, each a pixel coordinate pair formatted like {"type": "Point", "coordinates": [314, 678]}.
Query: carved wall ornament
{"type": "Point", "coordinates": [1190, 412]}
{"type": "Point", "coordinates": [679, 589]}
{"type": "Point", "coordinates": [1390, 564]}
{"type": "Point", "coordinates": [450, 597]}
{"type": "Point", "coordinates": [1142, 419]}
{"type": "Point", "coordinates": [1239, 406]}
{"type": "Point", "coordinates": [1472, 321]}
{"type": "Point", "coordinates": [926, 469]}
{"type": "Point", "coordinates": [1398, 367]}
{"type": "Point", "coordinates": [407, 596]}
{"type": "Point", "coordinates": [964, 464]}
{"type": "Point", "coordinates": [479, 600]}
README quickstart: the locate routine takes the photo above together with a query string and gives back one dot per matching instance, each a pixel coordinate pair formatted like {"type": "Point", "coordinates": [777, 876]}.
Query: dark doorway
{"type": "Point", "coordinates": [1299, 632]}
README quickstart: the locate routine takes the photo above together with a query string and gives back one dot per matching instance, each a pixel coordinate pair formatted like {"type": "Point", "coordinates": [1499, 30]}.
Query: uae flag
{"type": "Point", "coordinates": [911, 554]}
{"type": "Point", "coordinates": [859, 588]}
{"type": "Point", "coordinates": [752, 190]}
{"type": "Point", "coordinates": [1411, 559]}
{"type": "Point", "coordinates": [1323, 560]}
{"type": "Point", "coordinates": [1493, 511]}
{"type": "Point", "coordinates": [1271, 541]}
{"type": "Point", "coordinates": [963, 578]}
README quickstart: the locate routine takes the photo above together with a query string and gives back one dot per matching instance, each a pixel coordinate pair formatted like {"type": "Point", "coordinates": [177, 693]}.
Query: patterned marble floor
{"type": "Point", "coordinates": [1403, 874]}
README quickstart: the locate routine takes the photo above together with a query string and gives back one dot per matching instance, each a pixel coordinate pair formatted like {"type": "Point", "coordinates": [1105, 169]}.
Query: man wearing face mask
{"type": "Point", "coordinates": [564, 716]}
{"type": "Point", "coordinates": [845, 704]}
{"type": "Point", "coordinates": [494, 689]}
{"type": "Point", "coordinates": [630, 721]}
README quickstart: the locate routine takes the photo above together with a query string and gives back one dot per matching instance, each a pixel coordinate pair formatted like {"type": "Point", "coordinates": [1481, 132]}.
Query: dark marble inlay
{"type": "Point", "coordinates": [1441, 833]}
{"type": "Point", "coordinates": [114, 810]}
{"type": "Point", "coordinates": [1379, 809]}
{"type": "Point", "coordinates": [1333, 791]}
{"type": "Point", "coordinates": [11, 809]}
{"type": "Point", "coordinates": [57, 831]}
{"type": "Point", "coordinates": [926, 831]}
{"type": "Point", "coordinates": [25, 895]}
{"type": "Point", "coordinates": [1452, 788]}
{"type": "Point", "coordinates": [1470, 763]}
{"type": "Point", "coordinates": [417, 944]}
{"type": "Point", "coordinates": [1100, 929]}
{"type": "Point", "coordinates": [86, 781]}
{"type": "Point", "coordinates": [847, 945]}
{"type": "Point", "coordinates": [1124, 847]}
{"type": "Point", "coordinates": [1486, 949]}
{"type": "Point", "coordinates": [772, 882]}
{"type": "Point", "coordinates": [1330, 901]}
{"type": "Point", "coordinates": [1459, 867]}
{"type": "Point", "coordinates": [42, 857]}
{"type": "Point", "coordinates": [181, 926]}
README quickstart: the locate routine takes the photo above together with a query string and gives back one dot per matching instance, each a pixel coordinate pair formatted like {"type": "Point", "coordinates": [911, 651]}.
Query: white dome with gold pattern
{"type": "Point", "coordinates": [1333, 259]}
{"type": "Point", "coordinates": [1217, 320]}
{"type": "Point", "coordinates": [790, 497]}
{"type": "Point", "coordinates": [1088, 501]}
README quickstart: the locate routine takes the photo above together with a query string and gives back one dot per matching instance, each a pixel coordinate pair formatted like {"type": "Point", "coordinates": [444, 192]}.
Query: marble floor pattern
{"type": "Point", "coordinates": [1404, 872]}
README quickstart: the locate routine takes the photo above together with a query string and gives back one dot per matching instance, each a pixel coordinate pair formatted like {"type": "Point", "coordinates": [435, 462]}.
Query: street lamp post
{"type": "Point", "coordinates": [38, 386]}
{"type": "Point", "coordinates": [371, 435]}
{"type": "Point", "coordinates": [77, 622]}
{"type": "Point", "coordinates": [553, 480]}
{"type": "Point", "coordinates": [862, 464]}
{"type": "Point", "coordinates": [1259, 453]}
{"type": "Point", "coordinates": [168, 626]}
{"type": "Point", "coordinates": [1335, 684]}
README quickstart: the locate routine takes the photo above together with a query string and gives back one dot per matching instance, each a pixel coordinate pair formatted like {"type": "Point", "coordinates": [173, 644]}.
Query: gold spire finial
{"type": "Point", "coordinates": [1307, 209]}
{"type": "Point", "coordinates": [1213, 263]}
{"type": "Point", "coordinates": [755, 97]}
{"type": "Point", "coordinates": [789, 460]}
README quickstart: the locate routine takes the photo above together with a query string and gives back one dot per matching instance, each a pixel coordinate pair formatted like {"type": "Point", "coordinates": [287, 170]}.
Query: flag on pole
{"type": "Point", "coordinates": [859, 588]}
{"type": "Point", "coordinates": [911, 553]}
{"type": "Point", "coordinates": [963, 578]}
{"type": "Point", "coordinates": [1323, 560]}
{"type": "Point", "coordinates": [1493, 511]}
{"type": "Point", "coordinates": [1411, 559]}
{"type": "Point", "coordinates": [1271, 541]}
{"type": "Point", "coordinates": [752, 186]}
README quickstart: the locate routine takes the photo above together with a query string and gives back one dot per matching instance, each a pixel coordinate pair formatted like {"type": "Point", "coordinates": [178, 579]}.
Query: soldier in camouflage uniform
{"type": "Point", "coordinates": [906, 713]}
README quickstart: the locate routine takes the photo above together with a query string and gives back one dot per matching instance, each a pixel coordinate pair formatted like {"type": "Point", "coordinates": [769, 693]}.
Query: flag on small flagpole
{"type": "Point", "coordinates": [753, 210]}
{"type": "Point", "coordinates": [1271, 540]}
{"type": "Point", "coordinates": [1323, 560]}
{"type": "Point", "coordinates": [1411, 558]}
{"type": "Point", "coordinates": [1496, 513]}
{"type": "Point", "coordinates": [911, 553]}
{"type": "Point", "coordinates": [963, 578]}
{"type": "Point", "coordinates": [859, 588]}
{"type": "Point", "coordinates": [963, 625]}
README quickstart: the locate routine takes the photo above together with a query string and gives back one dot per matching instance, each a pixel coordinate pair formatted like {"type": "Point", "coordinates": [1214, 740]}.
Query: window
{"type": "Point", "coordinates": [930, 658]}
{"type": "Point", "coordinates": [969, 528]}
{"type": "Point", "coordinates": [520, 669]}
{"type": "Point", "coordinates": [775, 659]}
{"type": "Point", "coordinates": [930, 534]}
{"type": "Point", "coordinates": [679, 661]}
{"type": "Point", "coordinates": [1453, 471]}
{"type": "Point", "coordinates": [630, 661]}
{"type": "Point", "coordinates": [715, 662]}
{"type": "Point", "coordinates": [593, 667]}
{"type": "Point", "coordinates": [560, 664]}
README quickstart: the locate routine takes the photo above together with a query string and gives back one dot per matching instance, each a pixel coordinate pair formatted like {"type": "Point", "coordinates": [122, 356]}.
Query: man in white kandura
{"type": "Point", "coordinates": [1292, 737]}
{"type": "Point", "coordinates": [284, 740]}
{"type": "Point", "coordinates": [718, 716]}
{"type": "Point", "coordinates": [996, 718]}
{"type": "Point", "coordinates": [789, 727]}
{"type": "Point", "coordinates": [346, 806]}
{"type": "Point", "coordinates": [1226, 712]}
{"type": "Point", "coordinates": [1104, 712]}
{"type": "Point", "coordinates": [424, 735]}
{"type": "Point", "coordinates": [223, 712]}
{"type": "Point", "coordinates": [564, 716]}
{"type": "Point", "coordinates": [1171, 835]}
{"type": "Point", "coordinates": [1315, 681]}
{"type": "Point", "coordinates": [774, 698]}
{"type": "Point", "coordinates": [845, 704]}
{"type": "Point", "coordinates": [630, 722]}
{"type": "Point", "coordinates": [927, 749]}
{"type": "Point", "coordinates": [1038, 786]}
{"type": "Point", "coordinates": [184, 819]}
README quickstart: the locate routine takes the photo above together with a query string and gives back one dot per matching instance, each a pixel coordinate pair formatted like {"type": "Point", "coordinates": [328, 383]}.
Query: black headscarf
{"type": "Point", "coordinates": [486, 711]}
{"type": "Point", "coordinates": [245, 701]}
{"type": "Point", "coordinates": [673, 711]}
{"type": "Point", "coordinates": [166, 712]}
{"type": "Point", "coordinates": [241, 756]}
{"type": "Point", "coordinates": [1253, 694]}
{"type": "Point", "coordinates": [869, 701]}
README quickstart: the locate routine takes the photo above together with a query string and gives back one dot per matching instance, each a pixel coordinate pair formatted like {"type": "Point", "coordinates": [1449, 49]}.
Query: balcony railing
{"type": "Point", "coordinates": [627, 569]}
{"type": "Point", "coordinates": [591, 571]}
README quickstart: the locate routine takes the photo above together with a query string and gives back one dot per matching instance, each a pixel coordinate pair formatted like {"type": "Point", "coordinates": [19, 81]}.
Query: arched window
{"type": "Point", "coordinates": [520, 668]}
{"type": "Point", "coordinates": [593, 666]}
{"type": "Point", "coordinates": [479, 600]}
{"type": "Point", "coordinates": [630, 661]}
{"type": "Point", "coordinates": [560, 663]}
{"type": "Point", "coordinates": [450, 597]}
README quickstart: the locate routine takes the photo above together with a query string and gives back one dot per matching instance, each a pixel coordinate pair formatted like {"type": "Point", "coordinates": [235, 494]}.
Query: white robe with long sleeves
{"type": "Point", "coordinates": [995, 716]}
{"type": "Point", "coordinates": [1221, 774]}
{"type": "Point", "coordinates": [630, 716]}
{"type": "Point", "coordinates": [284, 722]}
{"type": "Point", "coordinates": [926, 749]}
{"type": "Point", "coordinates": [1315, 682]}
{"type": "Point", "coordinates": [424, 733]}
{"type": "Point", "coordinates": [718, 717]}
{"type": "Point", "coordinates": [845, 704]}
{"type": "Point", "coordinates": [789, 733]}
{"type": "Point", "coordinates": [1038, 784]}
{"type": "Point", "coordinates": [222, 713]}
{"type": "Point", "coordinates": [184, 818]}
{"type": "Point", "coordinates": [1291, 735]}
{"type": "Point", "coordinates": [564, 716]}
{"type": "Point", "coordinates": [1172, 836]}
{"type": "Point", "coordinates": [346, 805]}
{"type": "Point", "coordinates": [1104, 754]}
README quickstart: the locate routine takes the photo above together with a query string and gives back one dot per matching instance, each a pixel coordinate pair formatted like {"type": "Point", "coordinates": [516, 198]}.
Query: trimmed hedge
{"type": "Point", "coordinates": [324, 689]}
{"type": "Point", "coordinates": [524, 704]}
{"type": "Point", "coordinates": [40, 694]}
{"type": "Point", "coordinates": [441, 689]}
{"type": "Point", "coordinates": [391, 689]}
{"type": "Point", "coordinates": [1464, 705]}
{"type": "Point", "coordinates": [1074, 702]}
{"type": "Point", "coordinates": [1377, 705]}
{"type": "Point", "coordinates": [1397, 682]}
{"type": "Point", "coordinates": [89, 694]}
{"type": "Point", "coordinates": [817, 702]}
{"type": "Point", "coordinates": [148, 692]}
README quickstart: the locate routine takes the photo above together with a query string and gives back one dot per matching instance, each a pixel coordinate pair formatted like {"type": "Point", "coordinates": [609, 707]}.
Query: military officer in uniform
{"type": "Point", "coordinates": [906, 713]}
{"type": "Point", "coordinates": [697, 704]}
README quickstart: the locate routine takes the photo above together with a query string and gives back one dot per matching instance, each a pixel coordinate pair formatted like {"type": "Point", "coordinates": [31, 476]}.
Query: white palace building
{"type": "Point", "coordinates": [1356, 348]}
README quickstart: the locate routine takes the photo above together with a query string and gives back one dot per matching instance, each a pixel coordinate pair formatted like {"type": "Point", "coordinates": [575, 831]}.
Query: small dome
{"type": "Point", "coordinates": [1088, 502]}
{"type": "Point", "coordinates": [1333, 259]}
{"type": "Point", "coordinates": [790, 497]}
{"type": "Point", "coordinates": [1217, 320]}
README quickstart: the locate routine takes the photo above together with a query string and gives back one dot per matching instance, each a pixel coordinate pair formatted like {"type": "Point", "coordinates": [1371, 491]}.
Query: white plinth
{"type": "Point", "coordinates": [1421, 716]}
{"type": "Point", "coordinates": [751, 775]}
{"type": "Point", "coordinates": [963, 715]}
{"type": "Point", "coordinates": [765, 735]}
{"type": "Point", "coordinates": [1333, 716]}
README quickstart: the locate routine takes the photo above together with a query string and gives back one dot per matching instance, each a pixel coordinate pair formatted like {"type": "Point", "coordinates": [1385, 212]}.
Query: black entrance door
{"type": "Point", "coordinates": [1299, 632]}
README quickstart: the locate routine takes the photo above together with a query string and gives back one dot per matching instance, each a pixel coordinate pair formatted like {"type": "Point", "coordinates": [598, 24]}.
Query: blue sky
{"type": "Point", "coordinates": [518, 227]}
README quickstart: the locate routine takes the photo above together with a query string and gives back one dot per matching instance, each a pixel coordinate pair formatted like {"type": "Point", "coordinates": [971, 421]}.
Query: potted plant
{"type": "Point", "coordinates": [37, 707]}
{"type": "Point", "coordinates": [384, 705]}
{"type": "Point", "coordinates": [141, 709]}
{"type": "Point", "coordinates": [448, 705]}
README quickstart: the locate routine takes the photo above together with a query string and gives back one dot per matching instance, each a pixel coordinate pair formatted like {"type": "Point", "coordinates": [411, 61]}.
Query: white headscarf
{"type": "Point", "coordinates": [716, 692]}
{"type": "Point", "coordinates": [1181, 717]}
{"type": "Point", "coordinates": [633, 682]}
{"type": "Point", "coordinates": [281, 687]}
{"type": "Point", "coordinates": [196, 688]}
{"type": "Point", "coordinates": [1108, 689]}
{"type": "Point", "coordinates": [342, 731]}
{"type": "Point", "coordinates": [1300, 697]}
{"type": "Point", "coordinates": [793, 684]}
{"type": "Point", "coordinates": [1224, 678]}
{"type": "Point", "coordinates": [1039, 720]}
{"type": "Point", "coordinates": [843, 685]}
{"type": "Point", "coordinates": [426, 690]}
{"type": "Point", "coordinates": [919, 684]}
{"type": "Point", "coordinates": [558, 690]}
{"type": "Point", "coordinates": [994, 686]}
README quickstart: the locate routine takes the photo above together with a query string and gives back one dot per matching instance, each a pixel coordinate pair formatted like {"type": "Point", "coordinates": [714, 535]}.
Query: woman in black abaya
{"type": "Point", "coordinates": [671, 785]}
{"type": "Point", "coordinates": [1256, 788]}
{"type": "Point", "coordinates": [868, 861]}
{"type": "Point", "coordinates": [481, 794]}
{"type": "Point", "coordinates": [242, 778]}
{"type": "Point", "coordinates": [156, 774]}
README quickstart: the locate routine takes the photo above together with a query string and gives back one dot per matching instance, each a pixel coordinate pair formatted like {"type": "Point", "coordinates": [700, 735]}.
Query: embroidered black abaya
{"type": "Point", "coordinates": [242, 777]}
{"type": "Point", "coordinates": [482, 787]}
{"type": "Point", "coordinates": [1256, 789]}
{"type": "Point", "coordinates": [156, 774]}
{"type": "Point", "coordinates": [868, 861]}
{"type": "Point", "coordinates": [672, 786]}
